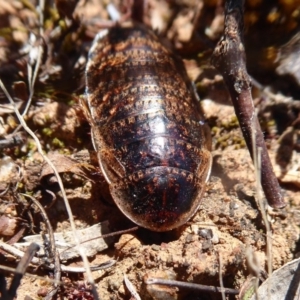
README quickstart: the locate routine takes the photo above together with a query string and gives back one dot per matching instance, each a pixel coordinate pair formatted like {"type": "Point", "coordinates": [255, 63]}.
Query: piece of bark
{"type": "Point", "coordinates": [66, 245]}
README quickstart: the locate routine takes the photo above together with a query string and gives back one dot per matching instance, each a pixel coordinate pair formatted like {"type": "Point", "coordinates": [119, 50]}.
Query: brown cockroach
{"type": "Point", "coordinates": [148, 129]}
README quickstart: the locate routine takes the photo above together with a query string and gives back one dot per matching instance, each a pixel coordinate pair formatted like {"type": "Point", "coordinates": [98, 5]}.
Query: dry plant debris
{"type": "Point", "coordinates": [228, 225]}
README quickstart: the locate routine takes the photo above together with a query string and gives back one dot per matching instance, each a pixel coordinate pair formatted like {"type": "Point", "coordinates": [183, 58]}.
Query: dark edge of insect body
{"type": "Point", "coordinates": [148, 128]}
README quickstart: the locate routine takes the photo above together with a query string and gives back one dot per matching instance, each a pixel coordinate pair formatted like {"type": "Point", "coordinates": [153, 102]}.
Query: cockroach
{"type": "Point", "coordinates": [152, 142]}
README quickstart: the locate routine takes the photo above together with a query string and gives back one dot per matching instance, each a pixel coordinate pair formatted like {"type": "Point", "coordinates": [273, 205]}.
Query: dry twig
{"type": "Point", "coordinates": [220, 277]}
{"type": "Point", "coordinates": [191, 286]}
{"type": "Point", "coordinates": [230, 59]}
{"type": "Point", "coordinates": [53, 253]}
{"type": "Point", "coordinates": [131, 288]}
{"type": "Point", "coordinates": [21, 269]}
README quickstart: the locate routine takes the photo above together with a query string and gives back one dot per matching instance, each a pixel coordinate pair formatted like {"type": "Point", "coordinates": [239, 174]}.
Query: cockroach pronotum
{"type": "Point", "coordinates": [148, 129]}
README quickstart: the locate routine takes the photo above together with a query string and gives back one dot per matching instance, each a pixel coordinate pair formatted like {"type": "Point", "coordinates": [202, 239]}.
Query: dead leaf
{"type": "Point", "coordinates": [62, 164]}
{"type": "Point", "coordinates": [92, 243]}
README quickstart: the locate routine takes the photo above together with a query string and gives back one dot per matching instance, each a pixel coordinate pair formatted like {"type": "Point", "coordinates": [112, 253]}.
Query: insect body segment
{"type": "Point", "coordinates": [148, 129]}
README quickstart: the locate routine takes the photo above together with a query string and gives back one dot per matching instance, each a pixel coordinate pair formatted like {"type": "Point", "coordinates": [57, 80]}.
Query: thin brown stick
{"type": "Point", "coordinates": [220, 277]}
{"type": "Point", "coordinates": [57, 276]}
{"type": "Point", "coordinates": [230, 60]}
{"type": "Point", "coordinates": [191, 286]}
{"type": "Point", "coordinates": [52, 250]}
{"type": "Point", "coordinates": [21, 269]}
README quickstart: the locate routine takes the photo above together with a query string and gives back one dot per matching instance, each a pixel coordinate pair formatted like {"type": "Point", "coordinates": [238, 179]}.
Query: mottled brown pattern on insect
{"type": "Point", "coordinates": [148, 128]}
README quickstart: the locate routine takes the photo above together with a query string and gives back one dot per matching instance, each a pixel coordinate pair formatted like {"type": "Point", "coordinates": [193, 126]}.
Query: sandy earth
{"type": "Point", "coordinates": [227, 230]}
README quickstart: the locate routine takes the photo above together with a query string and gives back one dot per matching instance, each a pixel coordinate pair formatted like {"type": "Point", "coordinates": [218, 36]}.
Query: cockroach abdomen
{"type": "Point", "coordinates": [148, 127]}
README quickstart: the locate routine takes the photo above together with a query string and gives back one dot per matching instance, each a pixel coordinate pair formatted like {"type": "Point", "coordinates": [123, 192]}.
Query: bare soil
{"type": "Point", "coordinates": [228, 229]}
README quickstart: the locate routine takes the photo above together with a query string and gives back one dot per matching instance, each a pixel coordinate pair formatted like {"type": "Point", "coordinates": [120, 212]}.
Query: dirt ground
{"type": "Point", "coordinates": [228, 229]}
